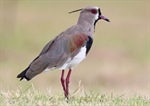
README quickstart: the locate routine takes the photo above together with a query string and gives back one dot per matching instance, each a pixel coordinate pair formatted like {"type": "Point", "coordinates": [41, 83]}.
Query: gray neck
{"type": "Point", "coordinates": [86, 22]}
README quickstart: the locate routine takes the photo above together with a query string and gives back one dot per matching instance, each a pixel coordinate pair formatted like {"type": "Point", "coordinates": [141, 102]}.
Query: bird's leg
{"type": "Point", "coordinates": [63, 81]}
{"type": "Point", "coordinates": [67, 83]}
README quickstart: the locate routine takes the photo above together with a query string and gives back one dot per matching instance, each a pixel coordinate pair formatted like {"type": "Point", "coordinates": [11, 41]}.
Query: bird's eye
{"type": "Point", "coordinates": [94, 11]}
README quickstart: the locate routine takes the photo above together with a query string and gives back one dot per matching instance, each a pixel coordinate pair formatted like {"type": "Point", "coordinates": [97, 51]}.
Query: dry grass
{"type": "Point", "coordinates": [32, 96]}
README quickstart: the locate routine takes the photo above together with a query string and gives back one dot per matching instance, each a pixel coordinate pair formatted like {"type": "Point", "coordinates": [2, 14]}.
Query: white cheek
{"type": "Point", "coordinates": [96, 16]}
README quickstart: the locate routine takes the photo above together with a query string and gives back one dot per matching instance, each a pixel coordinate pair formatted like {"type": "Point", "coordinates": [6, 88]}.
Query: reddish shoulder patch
{"type": "Point", "coordinates": [78, 41]}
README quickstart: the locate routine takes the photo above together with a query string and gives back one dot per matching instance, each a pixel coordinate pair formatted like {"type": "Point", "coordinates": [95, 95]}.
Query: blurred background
{"type": "Point", "coordinates": [118, 61]}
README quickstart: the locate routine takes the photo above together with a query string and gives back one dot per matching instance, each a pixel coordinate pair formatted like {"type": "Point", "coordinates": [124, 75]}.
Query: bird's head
{"type": "Point", "coordinates": [91, 13]}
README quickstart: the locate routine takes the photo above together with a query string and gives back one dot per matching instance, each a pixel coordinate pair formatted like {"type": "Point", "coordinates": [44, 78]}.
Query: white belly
{"type": "Point", "coordinates": [76, 60]}
{"type": "Point", "coordinates": [72, 62]}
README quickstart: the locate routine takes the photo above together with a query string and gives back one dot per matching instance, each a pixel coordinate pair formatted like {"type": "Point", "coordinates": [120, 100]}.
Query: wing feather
{"type": "Point", "coordinates": [56, 53]}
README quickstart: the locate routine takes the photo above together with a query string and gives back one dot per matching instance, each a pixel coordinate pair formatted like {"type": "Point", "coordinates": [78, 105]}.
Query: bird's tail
{"type": "Point", "coordinates": [22, 75]}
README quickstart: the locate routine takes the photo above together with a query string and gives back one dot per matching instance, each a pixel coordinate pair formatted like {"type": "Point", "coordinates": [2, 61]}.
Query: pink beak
{"type": "Point", "coordinates": [104, 18]}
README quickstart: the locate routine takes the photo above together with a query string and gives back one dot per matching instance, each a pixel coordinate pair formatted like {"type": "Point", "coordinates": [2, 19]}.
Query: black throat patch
{"type": "Point", "coordinates": [99, 13]}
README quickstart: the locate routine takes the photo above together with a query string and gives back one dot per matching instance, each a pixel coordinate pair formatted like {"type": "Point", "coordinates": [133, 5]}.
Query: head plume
{"type": "Point", "coordinates": [75, 11]}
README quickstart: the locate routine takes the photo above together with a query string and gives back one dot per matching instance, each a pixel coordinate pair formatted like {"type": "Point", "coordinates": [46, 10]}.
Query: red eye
{"type": "Point", "coordinates": [94, 11]}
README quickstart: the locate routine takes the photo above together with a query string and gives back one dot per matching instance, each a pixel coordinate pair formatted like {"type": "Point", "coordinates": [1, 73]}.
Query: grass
{"type": "Point", "coordinates": [36, 97]}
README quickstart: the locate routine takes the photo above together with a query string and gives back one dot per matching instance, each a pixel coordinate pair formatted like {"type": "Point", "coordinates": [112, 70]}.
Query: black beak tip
{"type": "Point", "coordinates": [107, 20]}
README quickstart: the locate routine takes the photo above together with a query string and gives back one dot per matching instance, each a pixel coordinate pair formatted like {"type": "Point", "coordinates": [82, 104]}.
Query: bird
{"type": "Point", "coordinates": [67, 49]}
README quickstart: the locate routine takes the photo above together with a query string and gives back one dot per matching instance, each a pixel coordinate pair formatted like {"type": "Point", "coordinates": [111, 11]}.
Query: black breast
{"type": "Point", "coordinates": [89, 44]}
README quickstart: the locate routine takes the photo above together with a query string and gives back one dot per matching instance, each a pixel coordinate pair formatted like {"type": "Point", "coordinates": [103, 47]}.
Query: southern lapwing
{"type": "Point", "coordinates": [67, 49]}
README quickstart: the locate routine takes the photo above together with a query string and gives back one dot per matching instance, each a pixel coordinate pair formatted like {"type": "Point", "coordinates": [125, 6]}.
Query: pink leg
{"type": "Point", "coordinates": [63, 81]}
{"type": "Point", "coordinates": [67, 83]}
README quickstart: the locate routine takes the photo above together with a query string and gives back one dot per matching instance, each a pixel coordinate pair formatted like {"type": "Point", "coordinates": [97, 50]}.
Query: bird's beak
{"type": "Point", "coordinates": [104, 18]}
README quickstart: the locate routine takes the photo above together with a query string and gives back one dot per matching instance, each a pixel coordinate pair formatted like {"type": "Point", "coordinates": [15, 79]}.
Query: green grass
{"type": "Point", "coordinates": [35, 97]}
